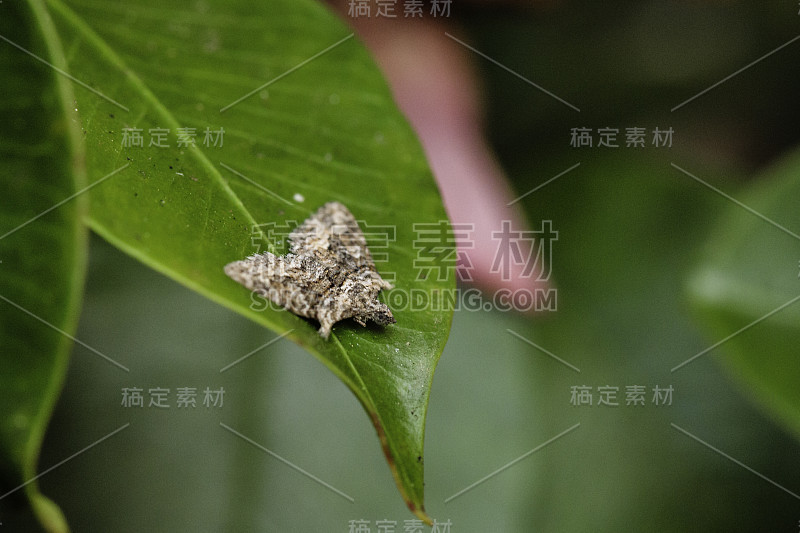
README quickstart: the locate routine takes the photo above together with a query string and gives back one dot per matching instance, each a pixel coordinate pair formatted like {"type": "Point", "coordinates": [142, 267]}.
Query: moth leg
{"type": "Point", "coordinates": [326, 322]}
{"type": "Point", "coordinates": [381, 314]}
{"type": "Point", "coordinates": [325, 330]}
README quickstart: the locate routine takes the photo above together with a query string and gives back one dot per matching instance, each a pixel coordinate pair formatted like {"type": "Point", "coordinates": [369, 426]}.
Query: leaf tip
{"type": "Point", "coordinates": [48, 513]}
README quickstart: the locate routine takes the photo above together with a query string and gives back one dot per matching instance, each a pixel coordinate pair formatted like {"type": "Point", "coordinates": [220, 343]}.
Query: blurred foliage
{"type": "Point", "coordinates": [748, 285]}
{"type": "Point", "coordinates": [634, 230]}
{"type": "Point", "coordinates": [630, 229]}
{"type": "Point", "coordinates": [41, 263]}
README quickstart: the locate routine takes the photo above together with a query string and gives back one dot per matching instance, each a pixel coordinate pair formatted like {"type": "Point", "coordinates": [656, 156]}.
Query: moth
{"type": "Point", "coordinates": [328, 274]}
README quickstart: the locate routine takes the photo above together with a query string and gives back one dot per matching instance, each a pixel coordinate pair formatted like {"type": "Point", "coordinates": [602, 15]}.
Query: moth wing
{"type": "Point", "coordinates": [256, 272]}
{"type": "Point", "coordinates": [282, 279]}
{"type": "Point", "coordinates": [332, 233]}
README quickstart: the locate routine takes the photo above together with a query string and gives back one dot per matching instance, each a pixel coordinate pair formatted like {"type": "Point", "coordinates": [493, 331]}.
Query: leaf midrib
{"type": "Point", "coordinates": [105, 50]}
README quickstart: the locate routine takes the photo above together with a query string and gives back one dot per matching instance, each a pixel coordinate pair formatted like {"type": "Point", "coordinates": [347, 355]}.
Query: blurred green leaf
{"type": "Point", "coordinates": [630, 228]}
{"type": "Point", "coordinates": [747, 287]}
{"type": "Point", "coordinates": [42, 251]}
{"type": "Point", "coordinates": [307, 118]}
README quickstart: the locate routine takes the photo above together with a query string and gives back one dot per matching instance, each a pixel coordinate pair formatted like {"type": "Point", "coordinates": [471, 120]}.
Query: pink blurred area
{"type": "Point", "coordinates": [433, 81]}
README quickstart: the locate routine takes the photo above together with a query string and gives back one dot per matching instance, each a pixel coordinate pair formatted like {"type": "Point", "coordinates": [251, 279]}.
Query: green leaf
{"type": "Point", "coordinates": [630, 227]}
{"type": "Point", "coordinates": [747, 290]}
{"type": "Point", "coordinates": [324, 129]}
{"type": "Point", "coordinates": [42, 258]}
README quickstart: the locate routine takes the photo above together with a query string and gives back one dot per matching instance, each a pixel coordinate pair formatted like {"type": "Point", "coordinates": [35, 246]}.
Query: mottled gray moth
{"type": "Point", "coordinates": [328, 274]}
